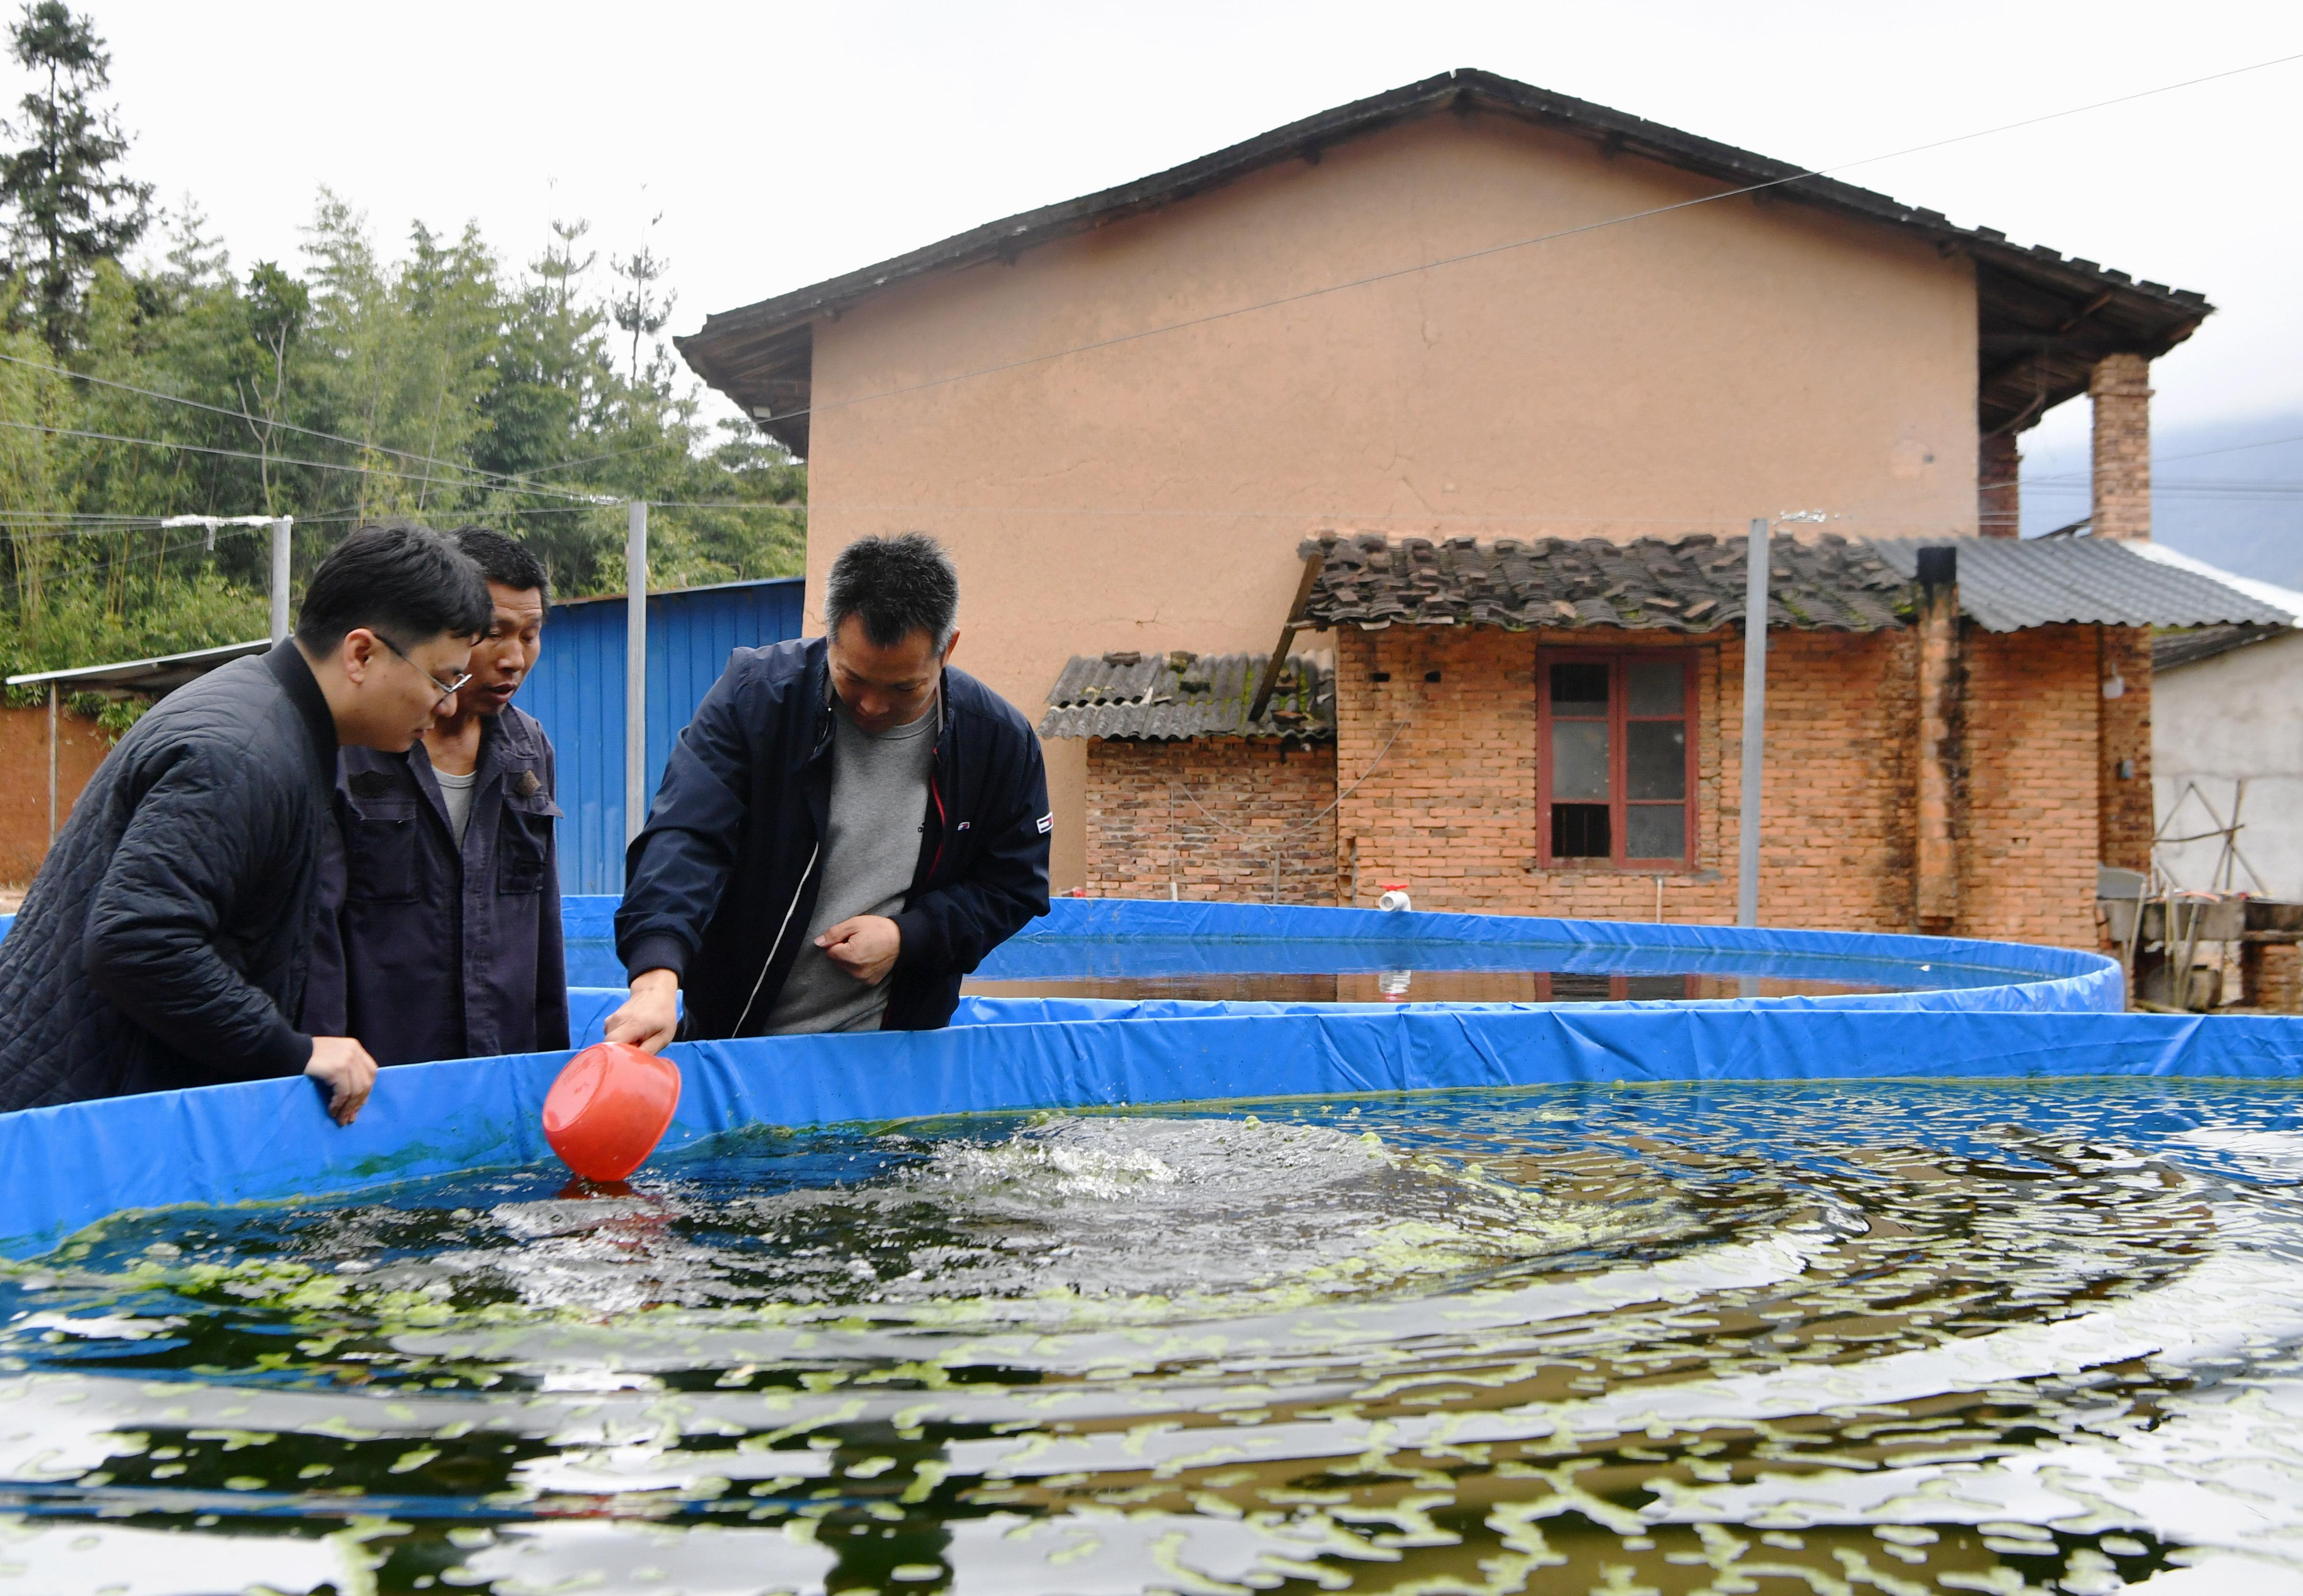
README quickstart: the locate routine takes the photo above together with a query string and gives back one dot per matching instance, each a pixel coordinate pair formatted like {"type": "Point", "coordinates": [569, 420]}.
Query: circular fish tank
{"type": "Point", "coordinates": [1941, 1279]}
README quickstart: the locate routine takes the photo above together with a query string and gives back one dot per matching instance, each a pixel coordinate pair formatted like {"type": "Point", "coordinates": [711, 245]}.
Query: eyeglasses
{"type": "Point", "coordinates": [448, 689]}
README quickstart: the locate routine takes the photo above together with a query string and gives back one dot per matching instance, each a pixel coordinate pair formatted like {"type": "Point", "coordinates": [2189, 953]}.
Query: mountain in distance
{"type": "Point", "coordinates": [2230, 493]}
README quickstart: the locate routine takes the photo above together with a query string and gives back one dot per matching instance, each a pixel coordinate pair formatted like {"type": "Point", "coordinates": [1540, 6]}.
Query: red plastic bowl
{"type": "Point", "coordinates": [609, 1109]}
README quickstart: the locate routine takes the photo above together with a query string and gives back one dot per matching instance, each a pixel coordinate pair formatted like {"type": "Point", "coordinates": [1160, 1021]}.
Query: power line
{"type": "Point", "coordinates": [2163, 460]}
{"type": "Point", "coordinates": [1544, 238]}
{"type": "Point", "coordinates": [483, 478]}
{"type": "Point", "coordinates": [594, 459]}
{"type": "Point", "coordinates": [129, 556]}
{"type": "Point", "coordinates": [281, 459]}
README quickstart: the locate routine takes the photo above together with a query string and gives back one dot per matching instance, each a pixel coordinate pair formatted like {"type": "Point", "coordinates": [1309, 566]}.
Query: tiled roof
{"type": "Point", "coordinates": [1160, 696]}
{"type": "Point", "coordinates": [2006, 584]}
{"type": "Point", "coordinates": [1692, 583]}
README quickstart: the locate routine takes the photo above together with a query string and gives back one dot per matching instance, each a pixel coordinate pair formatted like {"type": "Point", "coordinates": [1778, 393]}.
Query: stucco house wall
{"type": "Point", "coordinates": [1680, 373]}
{"type": "Point", "coordinates": [2236, 717]}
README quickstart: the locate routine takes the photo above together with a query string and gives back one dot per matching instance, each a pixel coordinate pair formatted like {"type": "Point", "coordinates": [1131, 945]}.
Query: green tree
{"type": "Point", "coordinates": [69, 208]}
{"type": "Point", "coordinates": [642, 308]}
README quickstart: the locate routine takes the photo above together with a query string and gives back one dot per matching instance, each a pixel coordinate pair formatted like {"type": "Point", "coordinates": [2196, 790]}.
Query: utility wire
{"type": "Point", "coordinates": [594, 459]}
{"type": "Point", "coordinates": [482, 478]}
{"type": "Point", "coordinates": [281, 459]}
{"type": "Point", "coordinates": [1544, 238]}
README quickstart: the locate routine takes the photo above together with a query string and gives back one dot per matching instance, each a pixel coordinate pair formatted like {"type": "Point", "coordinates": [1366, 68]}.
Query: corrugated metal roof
{"type": "Point", "coordinates": [2178, 649]}
{"type": "Point", "coordinates": [1166, 696]}
{"type": "Point", "coordinates": [160, 675]}
{"type": "Point", "coordinates": [2006, 584]}
{"type": "Point", "coordinates": [2270, 593]}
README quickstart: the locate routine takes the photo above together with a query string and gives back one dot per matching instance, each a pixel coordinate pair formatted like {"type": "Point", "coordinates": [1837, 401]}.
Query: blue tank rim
{"type": "Point", "coordinates": [2044, 978]}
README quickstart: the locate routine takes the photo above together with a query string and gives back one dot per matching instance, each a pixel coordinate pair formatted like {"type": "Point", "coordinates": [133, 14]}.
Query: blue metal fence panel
{"type": "Point", "coordinates": [578, 691]}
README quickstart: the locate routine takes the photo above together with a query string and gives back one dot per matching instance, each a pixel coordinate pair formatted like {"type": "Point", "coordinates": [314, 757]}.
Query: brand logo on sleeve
{"type": "Point", "coordinates": [1047, 823]}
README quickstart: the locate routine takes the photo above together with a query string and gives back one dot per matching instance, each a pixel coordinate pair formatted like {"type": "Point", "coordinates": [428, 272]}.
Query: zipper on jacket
{"type": "Point", "coordinates": [943, 824]}
{"type": "Point", "coordinates": [778, 946]}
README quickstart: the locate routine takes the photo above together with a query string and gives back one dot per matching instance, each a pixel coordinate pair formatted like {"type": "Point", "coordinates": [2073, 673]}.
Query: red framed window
{"type": "Point", "coordinates": [1615, 757]}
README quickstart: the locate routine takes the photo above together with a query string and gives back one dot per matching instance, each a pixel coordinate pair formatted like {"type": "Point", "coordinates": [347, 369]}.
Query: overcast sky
{"type": "Point", "coordinates": [782, 144]}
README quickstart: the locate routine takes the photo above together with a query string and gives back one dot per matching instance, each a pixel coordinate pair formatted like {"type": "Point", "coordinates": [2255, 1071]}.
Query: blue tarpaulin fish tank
{"type": "Point", "coordinates": [1216, 1248]}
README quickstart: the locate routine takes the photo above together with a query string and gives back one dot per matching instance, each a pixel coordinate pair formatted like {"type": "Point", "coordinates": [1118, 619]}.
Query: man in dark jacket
{"type": "Point", "coordinates": [165, 942]}
{"type": "Point", "coordinates": [441, 938]}
{"type": "Point", "coordinates": [844, 830]}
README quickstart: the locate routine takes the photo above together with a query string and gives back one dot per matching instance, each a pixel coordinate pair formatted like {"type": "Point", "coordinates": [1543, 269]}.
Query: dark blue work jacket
{"type": "Point", "coordinates": [723, 882]}
{"type": "Point", "coordinates": [436, 952]}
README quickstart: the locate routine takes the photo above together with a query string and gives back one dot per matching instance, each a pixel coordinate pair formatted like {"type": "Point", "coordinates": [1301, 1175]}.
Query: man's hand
{"type": "Point", "coordinates": [863, 945]}
{"type": "Point", "coordinates": [343, 1066]}
{"type": "Point", "coordinates": [650, 1017]}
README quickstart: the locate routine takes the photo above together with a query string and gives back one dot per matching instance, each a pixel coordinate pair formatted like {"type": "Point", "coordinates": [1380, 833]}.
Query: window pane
{"type": "Point", "coordinates": [1578, 759]}
{"type": "Point", "coordinates": [1655, 832]}
{"type": "Point", "coordinates": [1579, 689]}
{"type": "Point", "coordinates": [1655, 688]}
{"type": "Point", "coordinates": [1579, 831]}
{"type": "Point", "coordinates": [1650, 988]}
{"type": "Point", "coordinates": [1654, 759]}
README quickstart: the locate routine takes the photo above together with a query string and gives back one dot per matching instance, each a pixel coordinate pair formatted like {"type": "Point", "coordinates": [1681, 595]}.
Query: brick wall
{"type": "Point", "coordinates": [1206, 820]}
{"type": "Point", "coordinates": [80, 746]}
{"type": "Point", "coordinates": [2028, 851]}
{"type": "Point", "coordinates": [2124, 738]}
{"type": "Point", "coordinates": [1445, 797]}
{"type": "Point", "coordinates": [1452, 809]}
{"type": "Point", "coordinates": [1999, 486]}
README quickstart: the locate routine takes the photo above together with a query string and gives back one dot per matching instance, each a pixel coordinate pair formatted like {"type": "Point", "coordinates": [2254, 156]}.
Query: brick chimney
{"type": "Point", "coordinates": [1999, 486]}
{"type": "Point", "coordinates": [1942, 686]}
{"type": "Point", "coordinates": [2121, 389]}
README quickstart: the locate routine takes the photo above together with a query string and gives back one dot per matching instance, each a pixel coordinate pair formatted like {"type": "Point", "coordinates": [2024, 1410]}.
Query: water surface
{"type": "Point", "coordinates": [1759, 1338]}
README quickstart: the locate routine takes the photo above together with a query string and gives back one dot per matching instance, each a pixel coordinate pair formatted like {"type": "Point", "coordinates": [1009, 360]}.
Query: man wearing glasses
{"type": "Point", "coordinates": [442, 939]}
{"type": "Point", "coordinates": [168, 938]}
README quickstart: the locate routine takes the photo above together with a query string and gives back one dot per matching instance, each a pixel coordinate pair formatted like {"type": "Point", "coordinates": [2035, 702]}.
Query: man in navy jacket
{"type": "Point", "coordinates": [845, 830]}
{"type": "Point", "coordinates": [441, 937]}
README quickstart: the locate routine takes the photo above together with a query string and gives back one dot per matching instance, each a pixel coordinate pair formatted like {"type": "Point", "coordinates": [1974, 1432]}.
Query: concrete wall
{"type": "Point", "coordinates": [1675, 374]}
{"type": "Point", "coordinates": [80, 746]}
{"type": "Point", "coordinates": [2236, 717]}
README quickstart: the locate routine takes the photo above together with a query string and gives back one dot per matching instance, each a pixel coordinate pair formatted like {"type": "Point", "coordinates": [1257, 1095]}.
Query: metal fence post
{"type": "Point", "coordinates": [636, 580]}
{"type": "Point", "coordinates": [280, 540]}
{"type": "Point", "coordinates": [1755, 724]}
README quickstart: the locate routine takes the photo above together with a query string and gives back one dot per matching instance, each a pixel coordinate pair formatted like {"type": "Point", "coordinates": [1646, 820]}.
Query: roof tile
{"type": "Point", "coordinates": [1163, 697]}
{"type": "Point", "coordinates": [1691, 584]}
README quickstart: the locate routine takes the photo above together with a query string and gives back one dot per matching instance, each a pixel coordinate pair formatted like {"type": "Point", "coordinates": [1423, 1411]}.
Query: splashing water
{"type": "Point", "coordinates": [1888, 1337]}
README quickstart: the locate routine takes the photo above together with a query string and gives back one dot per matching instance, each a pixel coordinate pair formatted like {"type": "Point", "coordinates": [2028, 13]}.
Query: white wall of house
{"type": "Point", "coordinates": [2232, 720]}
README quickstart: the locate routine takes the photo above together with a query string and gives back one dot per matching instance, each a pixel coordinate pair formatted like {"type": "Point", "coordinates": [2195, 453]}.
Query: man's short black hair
{"type": "Point", "coordinates": [404, 582]}
{"type": "Point", "coordinates": [896, 585]}
{"type": "Point", "coordinates": [502, 560]}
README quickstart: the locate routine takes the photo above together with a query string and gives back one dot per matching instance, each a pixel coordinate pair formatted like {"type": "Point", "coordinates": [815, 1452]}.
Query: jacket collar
{"type": "Point", "coordinates": [504, 741]}
{"type": "Point", "coordinates": [288, 665]}
{"type": "Point", "coordinates": [820, 746]}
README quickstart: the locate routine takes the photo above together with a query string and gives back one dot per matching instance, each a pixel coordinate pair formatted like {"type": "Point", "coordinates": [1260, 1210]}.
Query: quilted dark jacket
{"type": "Point", "coordinates": [166, 939]}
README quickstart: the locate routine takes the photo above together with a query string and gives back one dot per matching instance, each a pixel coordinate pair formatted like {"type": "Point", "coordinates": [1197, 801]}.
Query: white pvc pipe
{"type": "Point", "coordinates": [635, 579]}
{"type": "Point", "coordinates": [280, 540]}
